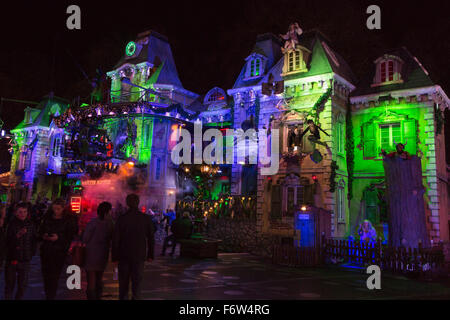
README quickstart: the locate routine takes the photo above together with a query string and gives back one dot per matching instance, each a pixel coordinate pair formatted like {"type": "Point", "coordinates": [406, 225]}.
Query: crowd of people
{"type": "Point", "coordinates": [125, 237]}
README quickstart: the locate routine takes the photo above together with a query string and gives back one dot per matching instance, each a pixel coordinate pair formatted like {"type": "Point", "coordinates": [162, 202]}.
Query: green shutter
{"type": "Point", "coordinates": [369, 142]}
{"type": "Point", "coordinates": [410, 135]}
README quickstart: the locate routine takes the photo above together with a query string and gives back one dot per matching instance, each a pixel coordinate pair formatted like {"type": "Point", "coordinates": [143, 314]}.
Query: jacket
{"type": "Point", "coordinates": [97, 237]}
{"type": "Point", "coordinates": [182, 228]}
{"type": "Point", "coordinates": [66, 228]}
{"type": "Point", "coordinates": [21, 249]}
{"type": "Point", "coordinates": [134, 237]}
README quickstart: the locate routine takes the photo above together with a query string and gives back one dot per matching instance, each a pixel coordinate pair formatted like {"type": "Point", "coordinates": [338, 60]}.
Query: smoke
{"type": "Point", "coordinates": [114, 187]}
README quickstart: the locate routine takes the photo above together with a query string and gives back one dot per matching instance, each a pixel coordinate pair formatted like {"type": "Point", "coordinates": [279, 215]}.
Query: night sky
{"type": "Point", "coordinates": [209, 40]}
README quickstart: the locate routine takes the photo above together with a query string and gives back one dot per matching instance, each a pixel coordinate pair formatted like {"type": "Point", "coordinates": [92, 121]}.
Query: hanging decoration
{"type": "Point", "coordinates": [91, 114]}
{"type": "Point", "coordinates": [349, 150]}
{"type": "Point", "coordinates": [334, 167]}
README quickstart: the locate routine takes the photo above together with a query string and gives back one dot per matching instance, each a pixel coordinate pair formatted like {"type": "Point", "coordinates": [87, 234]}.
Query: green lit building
{"type": "Point", "coordinates": [396, 102]}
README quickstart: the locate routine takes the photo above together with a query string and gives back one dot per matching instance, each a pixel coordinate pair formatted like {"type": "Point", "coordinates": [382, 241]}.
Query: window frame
{"type": "Point", "coordinates": [388, 70]}
{"type": "Point", "coordinates": [157, 176]}
{"type": "Point", "coordinates": [390, 125]}
{"type": "Point", "coordinates": [340, 202]}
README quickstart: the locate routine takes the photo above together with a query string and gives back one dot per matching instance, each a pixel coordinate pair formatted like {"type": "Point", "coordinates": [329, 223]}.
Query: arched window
{"type": "Point", "coordinates": [214, 95]}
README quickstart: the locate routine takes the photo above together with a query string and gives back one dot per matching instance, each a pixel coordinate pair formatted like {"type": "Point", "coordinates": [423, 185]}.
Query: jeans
{"type": "Point", "coordinates": [13, 272]}
{"type": "Point", "coordinates": [133, 271]}
{"type": "Point", "coordinates": [52, 267]}
{"type": "Point", "coordinates": [94, 284]}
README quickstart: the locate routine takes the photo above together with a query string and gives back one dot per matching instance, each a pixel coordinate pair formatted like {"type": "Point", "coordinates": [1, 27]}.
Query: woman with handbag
{"type": "Point", "coordinates": [58, 229]}
{"type": "Point", "coordinates": [97, 239]}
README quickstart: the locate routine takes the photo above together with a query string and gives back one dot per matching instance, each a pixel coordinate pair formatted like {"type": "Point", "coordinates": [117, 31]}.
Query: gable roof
{"type": "Point", "coordinates": [413, 74]}
{"type": "Point", "coordinates": [42, 113]}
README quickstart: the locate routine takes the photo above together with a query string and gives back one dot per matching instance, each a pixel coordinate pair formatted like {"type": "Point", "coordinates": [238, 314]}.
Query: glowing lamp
{"type": "Point", "coordinates": [303, 208]}
{"type": "Point", "coordinates": [314, 177]}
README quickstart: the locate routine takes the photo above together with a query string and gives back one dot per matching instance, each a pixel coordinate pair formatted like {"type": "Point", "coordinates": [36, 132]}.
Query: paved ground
{"type": "Point", "coordinates": [242, 276]}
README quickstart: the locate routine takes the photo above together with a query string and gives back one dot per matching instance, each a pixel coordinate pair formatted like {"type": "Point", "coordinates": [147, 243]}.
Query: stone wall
{"type": "Point", "coordinates": [240, 236]}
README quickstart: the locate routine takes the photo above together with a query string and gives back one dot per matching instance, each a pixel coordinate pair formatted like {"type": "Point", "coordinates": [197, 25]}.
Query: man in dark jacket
{"type": "Point", "coordinates": [133, 244]}
{"type": "Point", "coordinates": [21, 240]}
{"type": "Point", "coordinates": [181, 229]}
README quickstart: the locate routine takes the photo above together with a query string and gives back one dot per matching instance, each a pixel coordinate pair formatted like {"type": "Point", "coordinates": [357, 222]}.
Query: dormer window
{"type": "Point", "coordinates": [255, 66]}
{"type": "Point", "coordinates": [388, 70]}
{"type": "Point", "coordinates": [296, 60]}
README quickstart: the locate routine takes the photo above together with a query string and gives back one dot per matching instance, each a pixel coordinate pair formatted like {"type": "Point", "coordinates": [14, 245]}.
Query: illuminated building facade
{"type": "Point", "coordinates": [279, 87]}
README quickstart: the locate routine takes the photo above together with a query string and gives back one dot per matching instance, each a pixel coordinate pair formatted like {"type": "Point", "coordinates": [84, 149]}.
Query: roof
{"type": "Point", "coordinates": [267, 45]}
{"type": "Point", "coordinates": [323, 59]}
{"type": "Point", "coordinates": [41, 113]}
{"type": "Point", "coordinates": [156, 50]}
{"type": "Point", "coordinates": [413, 75]}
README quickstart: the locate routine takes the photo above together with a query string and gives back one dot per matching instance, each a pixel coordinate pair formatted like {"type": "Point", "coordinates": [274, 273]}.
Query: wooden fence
{"type": "Point", "coordinates": [396, 259]}
{"type": "Point", "coordinates": [332, 251]}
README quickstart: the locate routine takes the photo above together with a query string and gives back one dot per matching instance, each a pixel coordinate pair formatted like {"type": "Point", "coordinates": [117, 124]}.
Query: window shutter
{"type": "Point", "coordinates": [276, 202]}
{"type": "Point", "coordinates": [309, 194]}
{"type": "Point", "coordinates": [410, 136]}
{"type": "Point", "coordinates": [370, 147]}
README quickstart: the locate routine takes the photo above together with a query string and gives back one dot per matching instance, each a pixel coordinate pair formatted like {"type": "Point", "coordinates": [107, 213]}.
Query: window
{"type": "Point", "coordinates": [158, 169]}
{"type": "Point", "coordinates": [340, 201]}
{"type": "Point", "coordinates": [340, 137]}
{"type": "Point", "coordinates": [56, 146]}
{"type": "Point", "coordinates": [294, 60]}
{"type": "Point", "coordinates": [377, 135]}
{"type": "Point", "coordinates": [214, 95]}
{"type": "Point", "coordinates": [146, 134]}
{"type": "Point", "coordinates": [295, 198]}
{"type": "Point", "coordinates": [255, 67]}
{"type": "Point", "coordinates": [388, 134]}
{"type": "Point", "coordinates": [388, 70]}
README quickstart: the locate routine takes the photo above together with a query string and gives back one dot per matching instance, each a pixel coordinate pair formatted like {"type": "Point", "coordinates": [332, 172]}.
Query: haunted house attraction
{"type": "Point", "coordinates": [336, 134]}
